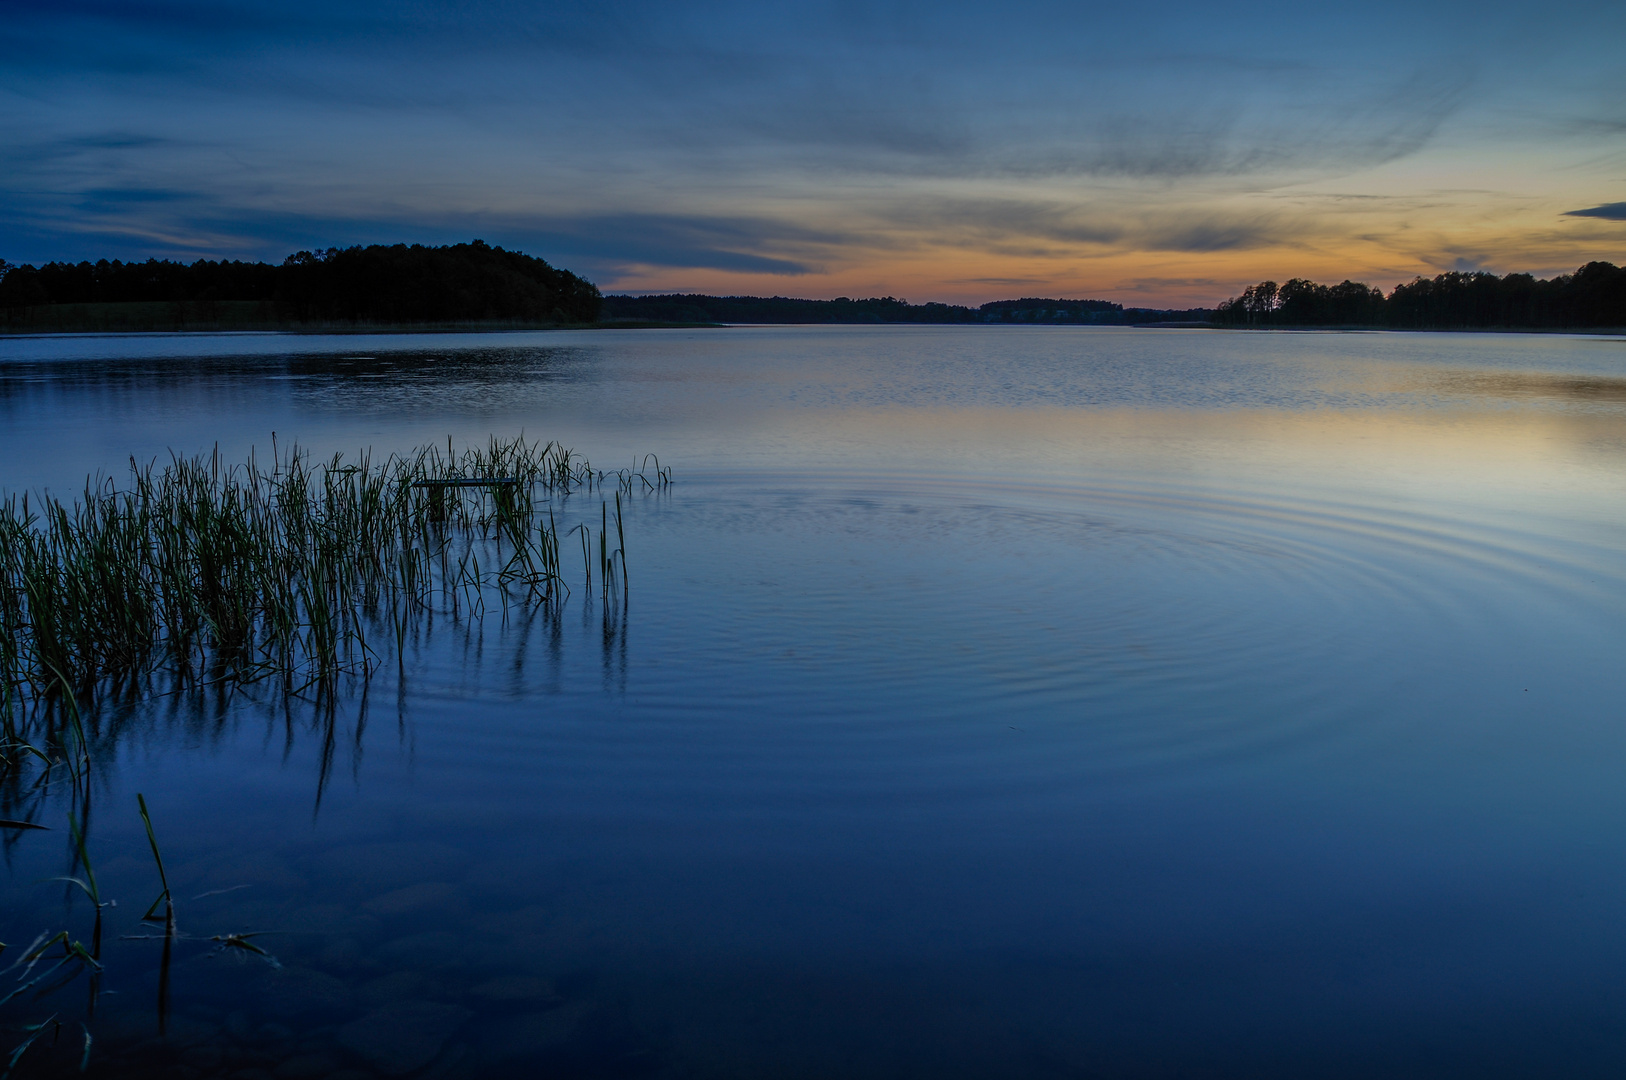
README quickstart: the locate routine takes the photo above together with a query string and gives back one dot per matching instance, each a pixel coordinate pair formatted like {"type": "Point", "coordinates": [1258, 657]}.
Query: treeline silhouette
{"type": "Point", "coordinates": [698, 308]}
{"type": "Point", "coordinates": [396, 284]}
{"type": "Point", "coordinates": [1090, 312]}
{"type": "Point", "coordinates": [1593, 297]}
{"type": "Point", "coordinates": [478, 283]}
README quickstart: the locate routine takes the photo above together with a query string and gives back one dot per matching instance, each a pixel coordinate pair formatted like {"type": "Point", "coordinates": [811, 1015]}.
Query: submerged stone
{"type": "Point", "coordinates": [306, 1067]}
{"type": "Point", "coordinates": [402, 1037]}
{"type": "Point", "coordinates": [432, 949]}
{"type": "Point", "coordinates": [537, 1034]}
{"type": "Point", "coordinates": [419, 897]}
{"type": "Point", "coordinates": [517, 988]}
{"type": "Point", "coordinates": [295, 991]}
{"type": "Point", "coordinates": [394, 987]}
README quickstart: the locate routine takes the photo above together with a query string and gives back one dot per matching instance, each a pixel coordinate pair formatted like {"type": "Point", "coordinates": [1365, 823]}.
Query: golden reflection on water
{"type": "Point", "coordinates": [1448, 451]}
{"type": "Point", "coordinates": [1524, 385]}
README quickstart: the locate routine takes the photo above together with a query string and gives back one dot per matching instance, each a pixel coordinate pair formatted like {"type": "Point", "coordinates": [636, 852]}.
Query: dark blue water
{"type": "Point", "coordinates": [986, 702]}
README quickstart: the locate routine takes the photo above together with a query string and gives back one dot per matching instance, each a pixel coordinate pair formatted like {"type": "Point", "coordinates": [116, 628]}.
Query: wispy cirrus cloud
{"type": "Point", "coordinates": [825, 142]}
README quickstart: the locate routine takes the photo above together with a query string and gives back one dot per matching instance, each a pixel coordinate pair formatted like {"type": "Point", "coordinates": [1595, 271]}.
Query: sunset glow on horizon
{"type": "Point", "coordinates": [1166, 155]}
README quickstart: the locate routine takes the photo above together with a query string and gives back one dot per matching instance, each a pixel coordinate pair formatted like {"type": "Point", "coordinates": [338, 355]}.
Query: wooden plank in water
{"type": "Point", "coordinates": [486, 482]}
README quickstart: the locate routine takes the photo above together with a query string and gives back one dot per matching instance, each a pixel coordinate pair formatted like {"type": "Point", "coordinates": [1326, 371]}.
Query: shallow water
{"type": "Point", "coordinates": [986, 701]}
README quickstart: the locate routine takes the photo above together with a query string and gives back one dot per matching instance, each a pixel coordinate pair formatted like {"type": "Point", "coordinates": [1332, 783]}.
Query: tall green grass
{"type": "Point", "coordinates": [296, 571]}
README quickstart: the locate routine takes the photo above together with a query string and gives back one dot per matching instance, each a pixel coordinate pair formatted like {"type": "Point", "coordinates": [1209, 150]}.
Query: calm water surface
{"type": "Point", "coordinates": [987, 702]}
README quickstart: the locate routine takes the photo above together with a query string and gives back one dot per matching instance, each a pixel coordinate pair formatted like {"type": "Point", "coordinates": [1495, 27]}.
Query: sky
{"type": "Point", "coordinates": [1160, 153]}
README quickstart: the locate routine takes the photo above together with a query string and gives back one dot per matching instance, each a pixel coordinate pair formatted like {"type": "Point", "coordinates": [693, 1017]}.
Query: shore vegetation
{"type": "Point", "coordinates": [695, 308]}
{"type": "Point", "coordinates": [396, 285]}
{"type": "Point", "coordinates": [293, 570]}
{"type": "Point", "coordinates": [1592, 298]}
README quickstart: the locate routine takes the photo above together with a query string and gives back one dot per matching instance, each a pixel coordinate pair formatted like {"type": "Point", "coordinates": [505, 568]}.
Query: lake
{"type": "Point", "coordinates": [985, 701]}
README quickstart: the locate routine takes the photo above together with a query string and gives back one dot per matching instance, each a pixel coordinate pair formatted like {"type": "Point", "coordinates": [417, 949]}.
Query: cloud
{"type": "Point", "coordinates": [998, 281]}
{"type": "Point", "coordinates": [97, 200]}
{"type": "Point", "coordinates": [986, 220]}
{"type": "Point", "coordinates": [1608, 211]}
{"type": "Point", "coordinates": [1453, 261]}
{"type": "Point", "coordinates": [1214, 234]}
{"type": "Point", "coordinates": [731, 87]}
{"type": "Point", "coordinates": [616, 242]}
{"type": "Point", "coordinates": [1145, 284]}
{"type": "Point", "coordinates": [24, 153]}
{"type": "Point", "coordinates": [744, 138]}
{"type": "Point", "coordinates": [180, 223]}
{"type": "Point", "coordinates": [114, 140]}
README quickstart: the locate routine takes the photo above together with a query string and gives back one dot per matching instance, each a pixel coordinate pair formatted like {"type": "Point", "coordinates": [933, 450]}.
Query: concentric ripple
{"type": "Point", "coordinates": [816, 632]}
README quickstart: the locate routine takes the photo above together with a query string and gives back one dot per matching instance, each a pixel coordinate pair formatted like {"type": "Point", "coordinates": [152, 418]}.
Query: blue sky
{"type": "Point", "coordinates": [1163, 152]}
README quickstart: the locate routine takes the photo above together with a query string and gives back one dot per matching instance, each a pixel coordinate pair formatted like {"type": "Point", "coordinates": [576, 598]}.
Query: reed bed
{"type": "Point", "coordinates": [210, 575]}
{"type": "Point", "coordinates": [297, 570]}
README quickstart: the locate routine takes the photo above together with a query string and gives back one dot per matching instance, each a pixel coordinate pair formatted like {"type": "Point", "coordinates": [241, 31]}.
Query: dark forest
{"type": "Point", "coordinates": [1594, 297]}
{"type": "Point", "coordinates": [398, 284]}
{"type": "Point", "coordinates": [477, 284]}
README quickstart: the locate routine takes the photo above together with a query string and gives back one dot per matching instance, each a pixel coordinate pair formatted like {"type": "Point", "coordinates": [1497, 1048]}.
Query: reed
{"type": "Point", "coordinates": [233, 573]}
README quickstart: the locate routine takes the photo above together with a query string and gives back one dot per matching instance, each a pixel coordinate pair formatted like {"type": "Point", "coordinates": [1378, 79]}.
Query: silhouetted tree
{"type": "Point", "coordinates": [1592, 297]}
{"type": "Point", "coordinates": [394, 284]}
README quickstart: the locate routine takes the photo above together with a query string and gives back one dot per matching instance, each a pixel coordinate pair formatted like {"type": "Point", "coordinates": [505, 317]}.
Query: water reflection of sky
{"type": "Point", "coordinates": [730, 398]}
{"type": "Point", "coordinates": [1130, 701]}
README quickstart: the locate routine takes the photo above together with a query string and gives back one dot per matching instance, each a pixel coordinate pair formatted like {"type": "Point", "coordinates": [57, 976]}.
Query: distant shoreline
{"type": "Point", "coordinates": [358, 329]}
{"type": "Point", "coordinates": [43, 327]}
{"type": "Point", "coordinates": [473, 287]}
